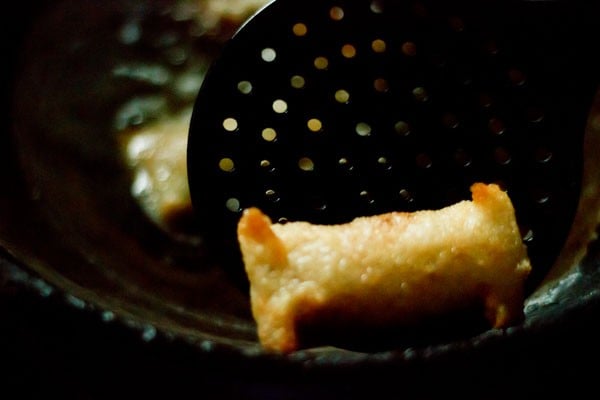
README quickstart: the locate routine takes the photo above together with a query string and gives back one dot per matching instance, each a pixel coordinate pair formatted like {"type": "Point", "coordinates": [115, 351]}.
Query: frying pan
{"type": "Point", "coordinates": [71, 233]}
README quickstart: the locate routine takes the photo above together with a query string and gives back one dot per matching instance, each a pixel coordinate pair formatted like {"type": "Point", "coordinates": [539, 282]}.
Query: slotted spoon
{"type": "Point", "coordinates": [327, 110]}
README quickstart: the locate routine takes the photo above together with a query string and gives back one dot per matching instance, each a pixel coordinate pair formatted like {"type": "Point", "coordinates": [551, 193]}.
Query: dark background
{"type": "Point", "coordinates": [49, 346]}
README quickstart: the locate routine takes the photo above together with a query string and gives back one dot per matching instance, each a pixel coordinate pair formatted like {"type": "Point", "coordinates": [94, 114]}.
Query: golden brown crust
{"type": "Point", "coordinates": [397, 268]}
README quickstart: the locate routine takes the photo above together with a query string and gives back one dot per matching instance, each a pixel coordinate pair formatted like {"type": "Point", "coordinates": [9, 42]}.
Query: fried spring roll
{"type": "Point", "coordinates": [397, 268]}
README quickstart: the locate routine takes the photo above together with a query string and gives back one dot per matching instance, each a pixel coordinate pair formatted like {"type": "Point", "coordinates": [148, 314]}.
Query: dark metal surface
{"type": "Point", "coordinates": [336, 109]}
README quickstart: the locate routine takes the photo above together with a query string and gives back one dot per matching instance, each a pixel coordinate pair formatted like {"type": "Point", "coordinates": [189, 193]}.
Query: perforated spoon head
{"type": "Point", "coordinates": [327, 110]}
